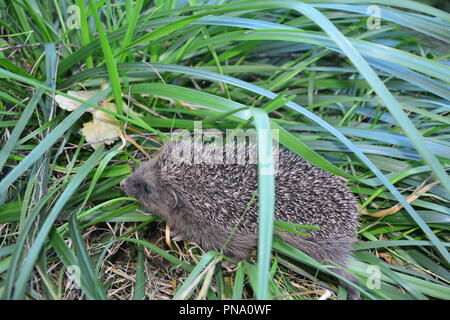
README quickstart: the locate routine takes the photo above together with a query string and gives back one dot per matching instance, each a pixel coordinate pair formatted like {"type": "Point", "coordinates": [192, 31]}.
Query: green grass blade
{"type": "Point", "coordinates": [140, 282]}
{"type": "Point", "coordinates": [266, 186]}
{"type": "Point", "coordinates": [84, 29]}
{"type": "Point", "coordinates": [85, 265]}
{"type": "Point", "coordinates": [132, 19]}
{"type": "Point", "coordinates": [109, 59]}
{"type": "Point", "coordinates": [19, 127]}
{"type": "Point", "coordinates": [239, 282]}
{"type": "Point", "coordinates": [208, 261]}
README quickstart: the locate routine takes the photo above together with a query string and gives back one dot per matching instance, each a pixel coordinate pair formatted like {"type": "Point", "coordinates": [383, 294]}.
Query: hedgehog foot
{"type": "Point", "coordinates": [175, 235]}
{"type": "Point", "coordinates": [352, 293]}
{"type": "Point", "coordinates": [229, 266]}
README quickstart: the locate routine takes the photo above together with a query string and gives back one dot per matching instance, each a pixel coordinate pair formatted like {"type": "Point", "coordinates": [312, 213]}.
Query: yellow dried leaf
{"type": "Point", "coordinates": [103, 128]}
{"type": "Point", "coordinates": [69, 104]}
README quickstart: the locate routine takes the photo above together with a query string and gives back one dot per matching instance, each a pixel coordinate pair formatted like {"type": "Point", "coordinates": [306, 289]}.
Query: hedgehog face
{"type": "Point", "coordinates": [143, 185]}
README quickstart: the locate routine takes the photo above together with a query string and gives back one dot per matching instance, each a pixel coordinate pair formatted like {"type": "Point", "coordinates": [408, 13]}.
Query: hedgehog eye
{"type": "Point", "coordinates": [144, 187]}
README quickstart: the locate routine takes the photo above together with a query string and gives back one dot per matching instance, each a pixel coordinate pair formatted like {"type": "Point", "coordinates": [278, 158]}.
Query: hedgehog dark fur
{"type": "Point", "coordinates": [204, 202]}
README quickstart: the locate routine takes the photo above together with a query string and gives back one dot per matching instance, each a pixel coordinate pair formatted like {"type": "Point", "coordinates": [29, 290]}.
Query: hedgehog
{"type": "Point", "coordinates": [211, 198]}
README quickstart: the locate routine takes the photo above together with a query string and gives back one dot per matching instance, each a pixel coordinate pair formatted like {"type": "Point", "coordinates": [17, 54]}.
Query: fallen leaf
{"type": "Point", "coordinates": [69, 104]}
{"type": "Point", "coordinates": [388, 258]}
{"type": "Point", "coordinates": [104, 128]}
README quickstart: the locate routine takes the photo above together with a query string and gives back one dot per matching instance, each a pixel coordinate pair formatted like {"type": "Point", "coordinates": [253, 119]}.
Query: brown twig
{"type": "Point", "coordinates": [21, 46]}
{"type": "Point", "coordinates": [412, 197]}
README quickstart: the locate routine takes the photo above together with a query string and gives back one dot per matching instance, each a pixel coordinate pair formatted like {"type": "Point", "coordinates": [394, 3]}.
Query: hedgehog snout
{"type": "Point", "coordinates": [122, 184]}
{"type": "Point", "coordinates": [128, 187]}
